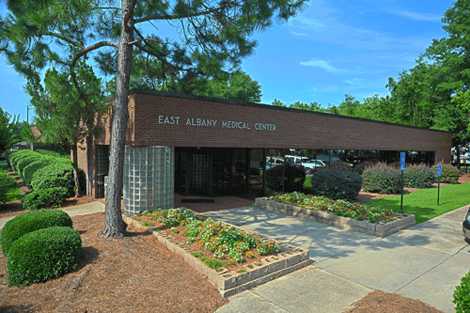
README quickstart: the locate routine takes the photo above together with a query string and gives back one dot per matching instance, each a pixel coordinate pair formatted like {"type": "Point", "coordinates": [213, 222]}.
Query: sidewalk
{"type": "Point", "coordinates": [424, 262]}
{"type": "Point", "coordinates": [81, 209]}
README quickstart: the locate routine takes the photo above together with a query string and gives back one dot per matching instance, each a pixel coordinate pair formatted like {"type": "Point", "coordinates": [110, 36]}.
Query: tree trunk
{"type": "Point", "coordinates": [114, 225]}
{"type": "Point", "coordinates": [75, 168]}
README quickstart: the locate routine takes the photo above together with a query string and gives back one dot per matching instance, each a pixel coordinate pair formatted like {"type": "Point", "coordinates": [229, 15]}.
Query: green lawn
{"type": "Point", "coordinates": [423, 202]}
{"type": "Point", "coordinates": [13, 192]}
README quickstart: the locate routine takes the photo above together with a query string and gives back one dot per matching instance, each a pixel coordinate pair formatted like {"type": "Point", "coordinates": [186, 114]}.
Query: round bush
{"type": "Point", "coordinates": [45, 198]}
{"type": "Point", "coordinates": [294, 178]}
{"type": "Point", "coordinates": [57, 174]}
{"type": "Point", "coordinates": [31, 168]}
{"type": "Point", "coordinates": [462, 295]}
{"type": "Point", "coordinates": [450, 174]}
{"type": "Point", "coordinates": [43, 254]}
{"type": "Point", "coordinates": [381, 178]}
{"type": "Point", "coordinates": [336, 183]}
{"type": "Point", "coordinates": [31, 221]}
{"type": "Point", "coordinates": [418, 176]}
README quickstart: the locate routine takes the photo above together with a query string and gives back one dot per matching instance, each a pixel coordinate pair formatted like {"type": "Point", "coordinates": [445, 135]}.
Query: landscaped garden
{"type": "Point", "coordinates": [49, 176]}
{"type": "Point", "coordinates": [336, 190]}
{"type": "Point", "coordinates": [217, 244]}
{"type": "Point", "coordinates": [135, 274]}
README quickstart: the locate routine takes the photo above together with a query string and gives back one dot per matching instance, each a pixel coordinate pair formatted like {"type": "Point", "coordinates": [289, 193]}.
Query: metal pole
{"type": "Point", "coordinates": [401, 193]}
{"type": "Point", "coordinates": [438, 189]}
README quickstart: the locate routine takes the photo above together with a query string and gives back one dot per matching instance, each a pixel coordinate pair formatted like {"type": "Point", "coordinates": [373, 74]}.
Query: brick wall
{"type": "Point", "coordinates": [293, 128]}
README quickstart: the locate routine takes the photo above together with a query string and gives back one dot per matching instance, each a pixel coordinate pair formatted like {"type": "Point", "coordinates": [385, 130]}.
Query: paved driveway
{"type": "Point", "coordinates": [424, 262]}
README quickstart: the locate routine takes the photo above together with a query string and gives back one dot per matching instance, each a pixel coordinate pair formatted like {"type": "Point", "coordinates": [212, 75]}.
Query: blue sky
{"type": "Point", "coordinates": [332, 48]}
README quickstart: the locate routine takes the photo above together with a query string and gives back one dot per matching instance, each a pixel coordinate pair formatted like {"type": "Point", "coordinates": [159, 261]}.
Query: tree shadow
{"type": "Point", "coordinates": [88, 255]}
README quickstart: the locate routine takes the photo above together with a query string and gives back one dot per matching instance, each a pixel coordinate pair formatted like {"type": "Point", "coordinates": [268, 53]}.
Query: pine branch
{"type": "Point", "coordinates": [209, 11]}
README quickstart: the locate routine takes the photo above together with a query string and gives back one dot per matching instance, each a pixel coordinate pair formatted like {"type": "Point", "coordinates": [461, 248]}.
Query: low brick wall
{"type": "Point", "coordinates": [378, 229]}
{"type": "Point", "coordinates": [228, 282]}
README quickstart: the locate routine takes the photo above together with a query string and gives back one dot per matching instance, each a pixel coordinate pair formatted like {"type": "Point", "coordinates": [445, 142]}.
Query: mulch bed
{"type": "Point", "coordinates": [135, 274]}
{"type": "Point", "coordinates": [13, 208]}
{"type": "Point", "coordinates": [382, 302]}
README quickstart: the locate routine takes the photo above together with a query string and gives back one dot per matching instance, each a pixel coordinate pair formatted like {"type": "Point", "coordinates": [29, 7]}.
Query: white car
{"type": "Point", "coordinates": [312, 164]}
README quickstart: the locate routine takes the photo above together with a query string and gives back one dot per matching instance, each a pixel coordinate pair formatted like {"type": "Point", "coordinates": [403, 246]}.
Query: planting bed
{"type": "Point", "coordinates": [232, 259]}
{"type": "Point", "coordinates": [338, 213]}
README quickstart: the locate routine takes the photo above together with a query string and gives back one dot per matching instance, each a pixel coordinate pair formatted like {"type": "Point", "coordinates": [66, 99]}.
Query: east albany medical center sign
{"type": "Point", "coordinates": [203, 122]}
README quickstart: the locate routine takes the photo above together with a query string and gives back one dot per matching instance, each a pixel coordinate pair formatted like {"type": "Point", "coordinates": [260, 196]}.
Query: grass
{"type": "Point", "coordinates": [13, 192]}
{"type": "Point", "coordinates": [423, 202]}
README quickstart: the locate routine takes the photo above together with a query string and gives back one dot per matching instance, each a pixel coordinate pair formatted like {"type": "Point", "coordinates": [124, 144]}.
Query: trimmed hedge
{"type": "Point", "coordinates": [45, 198]}
{"type": "Point", "coordinates": [30, 169]}
{"type": "Point", "coordinates": [294, 178]}
{"type": "Point", "coordinates": [27, 163]}
{"type": "Point", "coordinates": [50, 175]}
{"type": "Point", "coordinates": [418, 176]}
{"type": "Point", "coordinates": [336, 183]}
{"type": "Point", "coordinates": [31, 221]}
{"type": "Point", "coordinates": [43, 254]}
{"type": "Point", "coordinates": [462, 295]}
{"type": "Point", "coordinates": [450, 174]}
{"type": "Point", "coordinates": [59, 174]}
{"type": "Point", "coordinates": [381, 178]}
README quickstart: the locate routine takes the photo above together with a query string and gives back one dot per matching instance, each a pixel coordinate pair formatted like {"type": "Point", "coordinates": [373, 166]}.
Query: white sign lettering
{"type": "Point", "coordinates": [203, 122]}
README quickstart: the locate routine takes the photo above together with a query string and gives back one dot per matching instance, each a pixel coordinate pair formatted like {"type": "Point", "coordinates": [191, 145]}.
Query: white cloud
{"type": "Point", "coordinates": [321, 64]}
{"type": "Point", "coordinates": [417, 16]}
{"type": "Point", "coordinates": [303, 22]}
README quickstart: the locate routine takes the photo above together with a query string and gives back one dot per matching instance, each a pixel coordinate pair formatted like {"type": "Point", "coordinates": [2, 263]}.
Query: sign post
{"type": "Point", "coordinates": [438, 175]}
{"type": "Point", "coordinates": [402, 169]}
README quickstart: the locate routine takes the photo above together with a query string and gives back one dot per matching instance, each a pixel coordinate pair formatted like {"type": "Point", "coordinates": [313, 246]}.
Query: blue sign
{"type": "Point", "coordinates": [439, 169]}
{"type": "Point", "coordinates": [402, 161]}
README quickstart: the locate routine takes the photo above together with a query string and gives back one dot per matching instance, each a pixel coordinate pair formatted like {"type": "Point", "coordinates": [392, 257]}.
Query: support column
{"type": "Point", "coordinates": [148, 178]}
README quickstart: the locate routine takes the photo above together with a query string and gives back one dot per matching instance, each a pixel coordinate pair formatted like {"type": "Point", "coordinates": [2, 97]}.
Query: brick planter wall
{"type": "Point", "coordinates": [375, 229]}
{"type": "Point", "coordinates": [229, 282]}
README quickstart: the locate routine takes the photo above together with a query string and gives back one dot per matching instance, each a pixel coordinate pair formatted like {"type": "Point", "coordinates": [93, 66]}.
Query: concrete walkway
{"type": "Point", "coordinates": [81, 209]}
{"type": "Point", "coordinates": [424, 262]}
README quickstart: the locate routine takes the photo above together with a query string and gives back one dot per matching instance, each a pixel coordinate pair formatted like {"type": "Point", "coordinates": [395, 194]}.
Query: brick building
{"type": "Point", "coordinates": [205, 146]}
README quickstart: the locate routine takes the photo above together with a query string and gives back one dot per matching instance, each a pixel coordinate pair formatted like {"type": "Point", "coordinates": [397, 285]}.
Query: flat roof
{"type": "Point", "coordinates": [221, 100]}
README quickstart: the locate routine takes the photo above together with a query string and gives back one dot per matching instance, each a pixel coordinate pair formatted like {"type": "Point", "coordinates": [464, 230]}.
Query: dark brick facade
{"type": "Point", "coordinates": [293, 128]}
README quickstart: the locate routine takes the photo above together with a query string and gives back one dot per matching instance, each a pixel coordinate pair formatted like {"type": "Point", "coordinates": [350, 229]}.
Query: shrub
{"type": "Point", "coordinates": [381, 178]}
{"type": "Point", "coordinates": [25, 161]}
{"type": "Point", "coordinates": [31, 168]}
{"type": "Point", "coordinates": [34, 167]}
{"type": "Point", "coordinates": [462, 295]}
{"type": "Point", "coordinates": [450, 174]}
{"type": "Point", "coordinates": [223, 241]}
{"type": "Point", "coordinates": [336, 183]}
{"type": "Point", "coordinates": [294, 178]}
{"type": "Point", "coordinates": [418, 176]}
{"type": "Point", "coordinates": [43, 254]}
{"type": "Point", "coordinates": [31, 221]}
{"type": "Point", "coordinates": [45, 198]}
{"type": "Point", "coordinates": [338, 207]}
{"type": "Point", "coordinates": [16, 156]}
{"type": "Point", "coordinates": [57, 174]}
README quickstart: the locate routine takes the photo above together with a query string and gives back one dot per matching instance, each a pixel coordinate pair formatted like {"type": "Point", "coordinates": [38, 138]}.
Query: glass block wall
{"type": "Point", "coordinates": [148, 178]}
